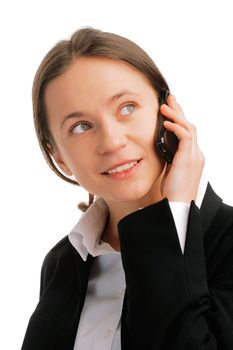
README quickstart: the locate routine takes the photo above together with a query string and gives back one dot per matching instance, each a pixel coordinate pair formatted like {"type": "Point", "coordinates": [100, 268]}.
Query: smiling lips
{"type": "Point", "coordinates": [120, 167]}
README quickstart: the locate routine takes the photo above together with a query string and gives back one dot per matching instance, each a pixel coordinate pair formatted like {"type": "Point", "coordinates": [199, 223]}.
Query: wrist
{"type": "Point", "coordinates": [183, 197]}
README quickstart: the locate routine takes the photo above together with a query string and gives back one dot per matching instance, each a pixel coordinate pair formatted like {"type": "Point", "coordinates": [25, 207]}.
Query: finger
{"type": "Point", "coordinates": [171, 101]}
{"type": "Point", "coordinates": [176, 117]}
{"type": "Point", "coordinates": [188, 138]}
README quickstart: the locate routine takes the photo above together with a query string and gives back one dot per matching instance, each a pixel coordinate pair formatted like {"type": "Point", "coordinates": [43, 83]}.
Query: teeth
{"type": "Point", "coordinates": [122, 168]}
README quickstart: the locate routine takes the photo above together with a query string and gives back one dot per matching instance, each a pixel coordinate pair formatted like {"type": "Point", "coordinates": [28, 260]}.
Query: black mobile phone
{"type": "Point", "coordinates": [167, 141]}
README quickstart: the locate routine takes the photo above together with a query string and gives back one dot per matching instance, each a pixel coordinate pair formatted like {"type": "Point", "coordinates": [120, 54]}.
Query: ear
{"type": "Point", "coordinates": [56, 154]}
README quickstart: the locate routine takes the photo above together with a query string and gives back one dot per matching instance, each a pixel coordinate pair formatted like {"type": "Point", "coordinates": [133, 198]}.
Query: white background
{"type": "Point", "coordinates": [190, 41]}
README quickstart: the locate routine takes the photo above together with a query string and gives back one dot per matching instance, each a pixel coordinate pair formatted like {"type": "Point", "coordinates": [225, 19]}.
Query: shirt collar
{"type": "Point", "coordinates": [86, 234]}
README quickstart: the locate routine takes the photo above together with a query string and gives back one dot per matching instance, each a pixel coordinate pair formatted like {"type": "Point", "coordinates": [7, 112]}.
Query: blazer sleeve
{"type": "Point", "coordinates": [53, 324]}
{"type": "Point", "coordinates": [170, 302]}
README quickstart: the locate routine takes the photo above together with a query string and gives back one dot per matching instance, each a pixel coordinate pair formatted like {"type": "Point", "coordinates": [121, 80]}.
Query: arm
{"type": "Point", "coordinates": [170, 303]}
{"type": "Point", "coordinates": [53, 324]}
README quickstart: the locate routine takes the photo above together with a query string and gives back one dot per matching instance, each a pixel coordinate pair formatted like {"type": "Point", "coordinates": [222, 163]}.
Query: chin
{"type": "Point", "coordinates": [141, 193]}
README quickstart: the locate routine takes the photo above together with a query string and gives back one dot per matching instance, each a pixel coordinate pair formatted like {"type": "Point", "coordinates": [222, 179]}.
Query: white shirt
{"type": "Point", "coordinates": [100, 323]}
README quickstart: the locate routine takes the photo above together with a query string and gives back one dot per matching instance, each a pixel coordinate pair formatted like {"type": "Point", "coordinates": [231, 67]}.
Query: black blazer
{"type": "Point", "coordinates": [172, 301]}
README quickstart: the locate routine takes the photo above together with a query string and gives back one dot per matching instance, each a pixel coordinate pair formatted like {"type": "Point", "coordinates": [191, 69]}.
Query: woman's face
{"type": "Point", "coordinates": [94, 131]}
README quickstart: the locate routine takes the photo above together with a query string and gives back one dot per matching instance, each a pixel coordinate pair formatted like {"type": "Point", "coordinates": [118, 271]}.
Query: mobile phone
{"type": "Point", "coordinates": [167, 141]}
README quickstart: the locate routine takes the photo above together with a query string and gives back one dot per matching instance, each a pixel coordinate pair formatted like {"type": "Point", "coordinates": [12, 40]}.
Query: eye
{"type": "Point", "coordinates": [79, 128]}
{"type": "Point", "coordinates": [129, 108]}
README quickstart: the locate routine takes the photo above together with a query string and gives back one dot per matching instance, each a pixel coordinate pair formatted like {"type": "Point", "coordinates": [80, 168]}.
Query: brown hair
{"type": "Point", "coordinates": [86, 41]}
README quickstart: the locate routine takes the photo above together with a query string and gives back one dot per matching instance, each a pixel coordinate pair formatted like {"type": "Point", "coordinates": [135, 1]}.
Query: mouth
{"type": "Point", "coordinates": [124, 171]}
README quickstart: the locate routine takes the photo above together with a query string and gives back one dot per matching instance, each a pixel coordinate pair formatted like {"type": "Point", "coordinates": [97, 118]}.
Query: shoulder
{"type": "Point", "coordinates": [60, 251]}
{"type": "Point", "coordinates": [218, 242]}
{"type": "Point", "coordinates": [61, 247]}
{"type": "Point", "coordinates": [61, 262]}
{"type": "Point", "coordinates": [227, 210]}
{"type": "Point", "coordinates": [224, 222]}
{"type": "Point", "coordinates": [224, 218]}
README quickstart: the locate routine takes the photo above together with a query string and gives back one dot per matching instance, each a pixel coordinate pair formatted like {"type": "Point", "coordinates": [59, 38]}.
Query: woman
{"type": "Point", "coordinates": [149, 264]}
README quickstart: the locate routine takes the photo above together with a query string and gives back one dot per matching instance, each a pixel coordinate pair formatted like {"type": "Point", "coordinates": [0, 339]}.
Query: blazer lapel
{"type": "Point", "coordinates": [210, 205]}
{"type": "Point", "coordinates": [66, 334]}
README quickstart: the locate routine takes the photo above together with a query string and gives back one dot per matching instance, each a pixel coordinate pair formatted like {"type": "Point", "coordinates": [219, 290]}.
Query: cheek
{"type": "Point", "coordinates": [73, 158]}
{"type": "Point", "coordinates": [146, 132]}
{"type": "Point", "coordinates": [82, 167]}
{"type": "Point", "coordinates": [148, 121]}
{"type": "Point", "coordinates": [77, 164]}
{"type": "Point", "coordinates": [149, 138]}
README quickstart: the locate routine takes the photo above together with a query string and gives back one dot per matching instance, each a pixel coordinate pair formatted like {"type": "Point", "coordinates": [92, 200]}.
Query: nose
{"type": "Point", "coordinates": [112, 137]}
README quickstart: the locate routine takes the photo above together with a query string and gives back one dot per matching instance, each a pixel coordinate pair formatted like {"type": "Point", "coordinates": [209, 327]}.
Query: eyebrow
{"type": "Point", "coordinates": [78, 114]}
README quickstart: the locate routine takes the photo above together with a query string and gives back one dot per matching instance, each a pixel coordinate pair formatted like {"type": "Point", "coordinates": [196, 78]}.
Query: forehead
{"type": "Point", "coordinates": [89, 82]}
{"type": "Point", "coordinates": [96, 75]}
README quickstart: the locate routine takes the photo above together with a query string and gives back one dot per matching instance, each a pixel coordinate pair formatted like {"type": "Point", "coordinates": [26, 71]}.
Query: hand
{"type": "Point", "coordinates": [181, 177]}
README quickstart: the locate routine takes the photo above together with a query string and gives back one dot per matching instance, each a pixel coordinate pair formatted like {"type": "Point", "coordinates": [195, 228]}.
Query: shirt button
{"type": "Point", "coordinates": [107, 333]}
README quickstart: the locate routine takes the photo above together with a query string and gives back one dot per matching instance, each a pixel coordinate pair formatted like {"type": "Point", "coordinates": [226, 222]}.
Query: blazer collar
{"type": "Point", "coordinates": [209, 207]}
